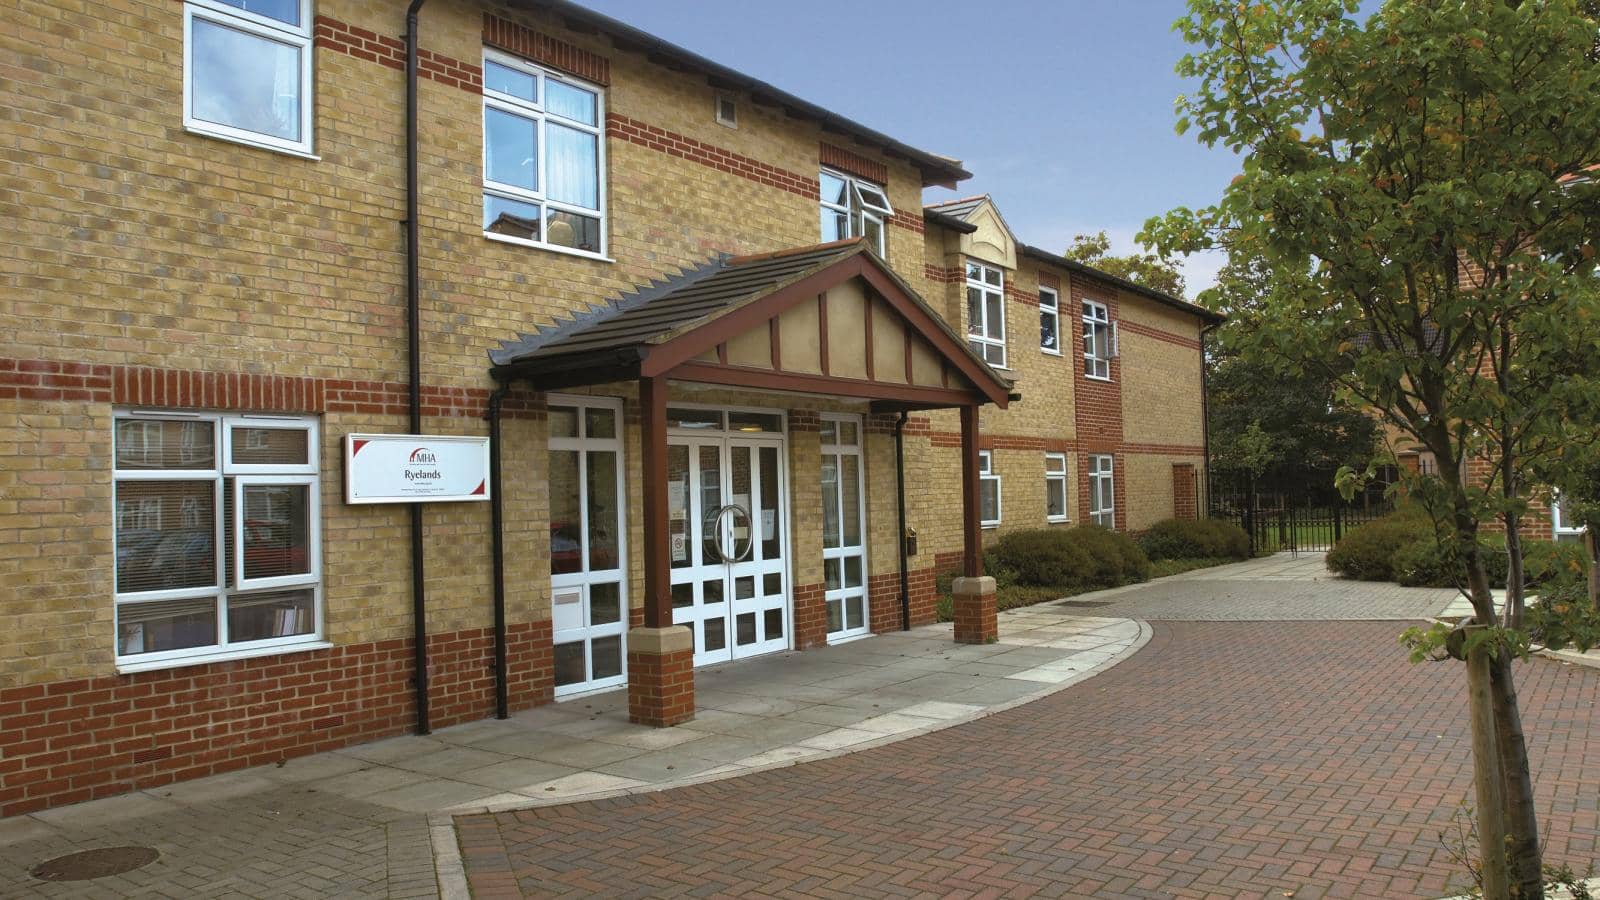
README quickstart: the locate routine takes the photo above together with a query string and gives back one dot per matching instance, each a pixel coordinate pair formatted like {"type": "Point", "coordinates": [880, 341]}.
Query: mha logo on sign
{"type": "Point", "coordinates": [396, 468]}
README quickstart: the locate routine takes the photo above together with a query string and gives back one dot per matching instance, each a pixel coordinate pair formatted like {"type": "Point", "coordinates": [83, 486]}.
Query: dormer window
{"type": "Point", "coordinates": [853, 207]}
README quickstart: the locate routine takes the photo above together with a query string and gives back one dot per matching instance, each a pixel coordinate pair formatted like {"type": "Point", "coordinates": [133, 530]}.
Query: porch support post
{"type": "Point", "coordinates": [660, 654]}
{"type": "Point", "coordinates": [974, 599]}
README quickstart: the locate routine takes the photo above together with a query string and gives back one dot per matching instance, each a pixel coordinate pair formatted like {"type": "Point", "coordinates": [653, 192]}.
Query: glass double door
{"type": "Point", "coordinates": [726, 497]}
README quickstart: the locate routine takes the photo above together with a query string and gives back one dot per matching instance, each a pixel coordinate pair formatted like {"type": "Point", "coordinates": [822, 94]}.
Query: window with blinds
{"type": "Point", "coordinates": [217, 535]}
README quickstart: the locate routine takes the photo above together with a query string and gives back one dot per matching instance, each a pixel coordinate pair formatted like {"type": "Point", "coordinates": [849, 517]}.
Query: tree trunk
{"type": "Point", "coordinates": [1521, 817]}
{"type": "Point", "coordinates": [1592, 538]}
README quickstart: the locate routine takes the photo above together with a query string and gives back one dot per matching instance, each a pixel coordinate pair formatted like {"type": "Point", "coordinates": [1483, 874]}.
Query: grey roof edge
{"type": "Point", "coordinates": [950, 169]}
{"type": "Point", "coordinates": [944, 220]}
{"type": "Point", "coordinates": [1123, 283]}
{"type": "Point", "coordinates": [523, 343]}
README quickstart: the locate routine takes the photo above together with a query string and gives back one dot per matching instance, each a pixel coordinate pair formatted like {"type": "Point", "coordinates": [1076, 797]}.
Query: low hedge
{"type": "Point", "coordinates": [1403, 547]}
{"type": "Point", "coordinates": [1195, 539]}
{"type": "Point", "coordinates": [1087, 556]}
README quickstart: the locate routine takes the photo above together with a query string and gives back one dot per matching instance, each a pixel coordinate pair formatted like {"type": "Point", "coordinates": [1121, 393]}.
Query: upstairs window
{"type": "Point", "coordinates": [542, 157]}
{"type": "Point", "coordinates": [986, 313]}
{"type": "Point", "coordinates": [988, 491]}
{"type": "Point", "coordinates": [853, 207]}
{"type": "Point", "coordinates": [1049, 321]}
{"type": "Point", "coordinates": [1099, 340]}
{"type": "Point", "coordinates": [247, 71]}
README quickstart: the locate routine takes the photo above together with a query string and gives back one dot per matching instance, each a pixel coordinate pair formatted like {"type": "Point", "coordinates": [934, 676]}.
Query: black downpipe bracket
{"type": "Point", "coordinates": [496, 515]}
{"type": "Point", "coordinates": [419, 602]}
{"type": "Point", "coordinates": [900, 488]}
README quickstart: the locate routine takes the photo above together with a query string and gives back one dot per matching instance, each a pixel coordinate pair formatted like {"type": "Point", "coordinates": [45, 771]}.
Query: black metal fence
{"type": "Point", "coordinates": [1309, 517]}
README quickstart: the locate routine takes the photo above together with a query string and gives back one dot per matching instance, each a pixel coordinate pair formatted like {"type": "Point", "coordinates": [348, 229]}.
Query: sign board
{"type": "Point", "coordinates": [409, 468]}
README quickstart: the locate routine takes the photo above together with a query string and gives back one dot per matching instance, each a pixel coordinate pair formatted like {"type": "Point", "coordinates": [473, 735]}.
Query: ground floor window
{"type": "Point", "coordinates": [1565, 528]}
{"type": "Point", "coordinates": [1102, 491]}
{"type": "Point", "coordinates": [218, 536]}
{"type": "Point", "coordinates": [1055, 487]}
{"type": "Point", "coordinates": [988, 490]}
{"type": "Point", "coordinates": [843, 527]}
{"type": "Point", "coordinates": [589, 609]}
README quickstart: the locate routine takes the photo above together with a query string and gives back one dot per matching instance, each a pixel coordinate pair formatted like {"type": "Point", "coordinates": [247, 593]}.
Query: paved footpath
{"type": "Point", "coordinates": [1227, 759]}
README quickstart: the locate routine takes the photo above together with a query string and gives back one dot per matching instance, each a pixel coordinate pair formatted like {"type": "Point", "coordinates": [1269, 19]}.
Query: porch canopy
{"type": "Point", "coordinates": [828, 320]}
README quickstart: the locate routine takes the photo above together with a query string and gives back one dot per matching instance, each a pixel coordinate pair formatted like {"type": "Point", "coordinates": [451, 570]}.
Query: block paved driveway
{"type": "Point", "coordinates": [1228, 758]}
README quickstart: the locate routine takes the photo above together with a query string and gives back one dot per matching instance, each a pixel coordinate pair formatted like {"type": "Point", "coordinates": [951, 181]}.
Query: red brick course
{"type": "Point", "coordinates": [810, 616]}
{"type": "Point", "coordinates": [623, 128]}
{"type": "Point", "coordinates": [71, 741]}
{"type": "Point", "coordinates": [545, 50]}
{"type": "Point", "coordinates": [332, 34]}
{"type": "Point", "coordinates": [661, 687]}
{"type": "Point", "coordinates": [975, 621]}
{"type": "Point", "coordinates": [835, 157]}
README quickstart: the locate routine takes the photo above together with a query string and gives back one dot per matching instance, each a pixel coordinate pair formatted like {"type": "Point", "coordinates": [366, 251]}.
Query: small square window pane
{"type": "Point", "coordinates": [255, 617]}
{"type": "Point", "coordinates": [605, 603]}
{"type": "Point", "coordinates": [772, 625]}
{"type": "Point", "coordinates": [716, 634]}
{"type": "Point", "coordinates": [165, 535]}
{"type": "Point", "coordinates": [755, 422]}
{"type": "Point", "coordinates": [852, 571]}
{"type": "Point", "coordinates": [829, 431]}
{"type": "Point", "coordinates": [285, 11]}
{"type": "Point", "coordinates": [873, 230]}
{"type": "Point", "coordinates": [771, 584]}
{"type": "Point", "coordinates": [991, 276]}
{"type": "Point", "coordinates": [854, 613]}
{"type": "Point", "coordinates": [571, 664]}
{"type": "Point", "coordinates": [831, 577]}
{"type": "Point", "coordinates": [563, 421]}
{"type": "Point", "coordinates": [974, 271]}
{"type": "Point", "coordinates": [994, 315]}
{"type": "Point", "coordinates": [277, 530]}
{"type": "Point", "coordinates": [607, 652]}
{"type": "Point", "coordinates": [572, 167]}
{"type": "Point", "coordinates": [268, 446]}
{"type": "Point", "coordinates": [599, 422]}
{"type": "Point", "coordinates": [744, 587]}
{"type": "Point", "coordinates": [835, 615]}
{"type": "Point", "coordinates": [872, 198]}
{"type": "Point", "coordinates": [702, 419]}
{"type": "Point", "coordinates": [682, 596]}
{"type": "Point", "coordinates": [1049, 325]}
{"type": "Point", "coordinates": [511, 149]}
{"type": "Point", "coordinates": [835, 225]}
{"type": "Point", "coordinates": [995, 354]}
{"type": "Point", "coordinates": [244, 80]}
{"type": "Point", "coordinates": [848, 434]}
{"type": "Point", "coordinates": [745, 628]}
{"type": "Point", "coordinates": [165, 444]}
{"type": "Point", "coordinates": [512, 218]}
{"type": "Point", "coordinates": [168, 625]}
{"type": "Point", "coordinates": [834, 190]}
{"type": "Point", "coordinates": [1056, 498]}
{"type": "Point", "coordinates": [570, 102]}
{"type": "Point", "coordinates": [506, 80]}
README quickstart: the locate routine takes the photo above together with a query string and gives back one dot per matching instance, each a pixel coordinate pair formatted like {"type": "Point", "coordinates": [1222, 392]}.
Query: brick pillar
{"type": "Point", "coordinates": [660, 676]}
{"type": "Point", "coordinates": [975, 611]}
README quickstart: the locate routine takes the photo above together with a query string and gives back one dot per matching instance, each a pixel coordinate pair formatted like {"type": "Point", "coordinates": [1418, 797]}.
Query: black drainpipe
{"type": "Point", "coordinates": [1205, 427]}
{"type": "Point", "coordinates": [900, 486]}
{"type": "Point", "coordinates": [419, 602]}
{"type": "Point", "coordinates": [496, 514]}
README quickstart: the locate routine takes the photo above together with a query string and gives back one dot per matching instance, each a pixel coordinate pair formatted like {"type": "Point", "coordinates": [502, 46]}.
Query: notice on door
{"type": "Point", "coordinates": [409, 468]}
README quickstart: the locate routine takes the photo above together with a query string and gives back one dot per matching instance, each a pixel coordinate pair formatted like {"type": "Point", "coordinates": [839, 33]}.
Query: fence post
{"type": "Point", "coordinates": [1250, 514]}
{"type": "Point", "coordinates": [1338, 522]}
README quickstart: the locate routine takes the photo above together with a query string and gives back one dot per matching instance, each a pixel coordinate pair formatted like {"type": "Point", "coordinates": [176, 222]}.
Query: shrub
{"type": "Point", "coordinates": [1554, 564]}
{"type": "Point", "coordinates": [1195, 539]}
{"type": "Point", "coordinates": [1368, 552]}
{"type": "Point", "coordinates": [1086, 556]}
{"type": "Point", "coordinates": [1403, 547]}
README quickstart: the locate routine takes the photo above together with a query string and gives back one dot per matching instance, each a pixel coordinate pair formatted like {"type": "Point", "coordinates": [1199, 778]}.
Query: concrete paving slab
{"type": "Point", "coordinates": [660, 766]}
{"type": "Point", "coordinates": [580, 784]}
{"type": "Point", "coordinates": [394, 749]}
{"type": "Point", "coordinates": [516, 774]}
{"type": "Point", "coordinates": [436, 793]}
{"type": "Point", "coordinates": [839, 738]}
{"type": "Point", "coordinates": [369, 781]}
{"type": "Point", "coordinates": [452, 760]}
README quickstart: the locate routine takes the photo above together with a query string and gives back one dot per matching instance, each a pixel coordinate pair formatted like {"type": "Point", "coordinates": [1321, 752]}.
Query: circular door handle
{"type": "Point", "coordinates": [734, 510]}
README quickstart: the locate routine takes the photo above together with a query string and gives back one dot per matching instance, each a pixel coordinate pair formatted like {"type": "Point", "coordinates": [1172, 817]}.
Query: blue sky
{"type": "Point", "coordinates": [1062, 110]}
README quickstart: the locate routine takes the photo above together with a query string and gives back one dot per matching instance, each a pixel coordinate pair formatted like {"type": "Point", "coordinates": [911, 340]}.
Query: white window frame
{"type": "Point", "coordinates": [220, 592]}
{"type": "Point", "coordinates": [860, 211]}
{"type": "Point", "coordinates": [298, 36]}
{"type": "Point", "coordinates": [717, 101]}
{"type": "Point", "coordinates": [585, 578]}
{"type": "Point", "coordinates": [1102, 467]}
{"type": "Point", "coordinates": [986, 473]}
{"type": "Point", "coordinates": [1097, 354]}
{"type": "Point", "coordinates": [1053, 478]}
{"type": "Point", "coordinates": [1559, 528]}
{"type": "Point", "coordinates": [978, 331]}
{"type": "Point", "coordinates": [536, 112]}
{"type": "Point", "coordinates": [1051, 308]}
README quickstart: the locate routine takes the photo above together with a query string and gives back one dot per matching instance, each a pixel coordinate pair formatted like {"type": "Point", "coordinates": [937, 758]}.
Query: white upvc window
{"type": "Point", "coordinates": [1055, 487]}
{"type": "Point", "coordinates": [1099, 340]}
{"type": "Point", "coordinates": [988, 491]}
{"type": "Point", "coordinates": [1102, 491]}
{"type": "Point", "coordinates": [986, 313]}
{"type": "Point", "coordinates": [543, 157]}
{"type": "Point", "coordinates": [218, 537]}
{"type": "Point", "coordinates": [1049, 321]}
{"type": "Point", "coordinates": [1563, 528]}
{"type": "Point", "coordinates": [247, 72]}
{"type": "Point", "coordinates": [853, 207]}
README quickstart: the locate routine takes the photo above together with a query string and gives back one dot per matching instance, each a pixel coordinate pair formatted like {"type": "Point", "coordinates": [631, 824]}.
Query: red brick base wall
{"type": "Point", "coordinates": [661, 687]}
{"type": "Point", "coordinates": [975, 619]}
{"type": "Point", "coordinates": [883, 602]}
{"type": "Point", "coordinates": [78, 740]}
{"type": "Point", "coordinates": [810, 617]}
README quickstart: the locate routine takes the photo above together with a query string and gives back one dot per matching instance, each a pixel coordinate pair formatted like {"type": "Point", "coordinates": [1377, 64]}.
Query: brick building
{"type": "Point", "coordinates": [697, 398]}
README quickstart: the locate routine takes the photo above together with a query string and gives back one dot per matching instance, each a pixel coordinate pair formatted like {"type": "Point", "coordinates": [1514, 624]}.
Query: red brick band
{"type": "Point", "coordinates": [333, 34]}
{"type": "Point", "coordinates": [620, 127]}
{"type": "Point", "coordinates": [545, 50]}
{"type": "Point", "coordinates": [944, 274]}
{"type": "Point", "coordinates": [1158, 334]}
{"type": "Point", "coordinates": [1027, 298]}
{"type": "Point", "coordinates": [945, 439]}
{"type": "Point", "coordinates": [854, 163]}
{"type": "Point", "coordinates": [41, 379]}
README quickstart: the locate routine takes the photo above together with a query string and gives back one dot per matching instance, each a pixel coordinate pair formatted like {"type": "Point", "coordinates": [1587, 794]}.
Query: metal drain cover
{"type": "Point", "coordinates": [97, 863]}
{"type": "Point", "coordinates": [1087, 603]}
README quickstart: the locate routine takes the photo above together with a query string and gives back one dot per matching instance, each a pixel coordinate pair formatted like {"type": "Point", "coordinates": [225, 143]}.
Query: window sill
{"type": "Point", "coordinates": [1060, 520]}
{"type": "Point", "coordinates": [1050, 352]}
{"type": "Point", "coordinates": [1103, 378]}
{"type": "Point", "coordinates": [553, 248]}
{"type": "Point", "coordinates": [988, 526]}
{"type": "Point", "coordinates": [246, 142]}
{"type": "Point", "coordinates": [135, 665]}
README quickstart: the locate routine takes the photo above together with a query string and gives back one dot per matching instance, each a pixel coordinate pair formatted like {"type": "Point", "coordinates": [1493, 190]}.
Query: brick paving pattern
{"type": "Point", "coordinates": [1237, 759]}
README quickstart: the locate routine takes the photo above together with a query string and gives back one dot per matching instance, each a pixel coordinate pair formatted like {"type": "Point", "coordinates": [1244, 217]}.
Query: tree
{"type": "Point", "coordinates": [1414, 185]}
{"type": "Point", "coordinates": [1144, 269]}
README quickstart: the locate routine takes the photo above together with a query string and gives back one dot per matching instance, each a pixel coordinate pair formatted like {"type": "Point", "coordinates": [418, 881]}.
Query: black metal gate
{"type": "Point", "coordinates": [1288, 519]}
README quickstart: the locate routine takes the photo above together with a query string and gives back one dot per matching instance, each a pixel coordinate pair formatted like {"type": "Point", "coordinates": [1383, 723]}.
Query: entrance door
{"type": "Point", "coordinates": [725, 500]}
{"type": "Point", "coordinates": [843, 542]}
